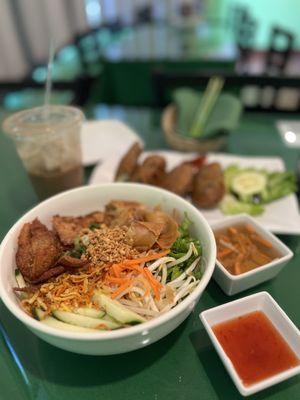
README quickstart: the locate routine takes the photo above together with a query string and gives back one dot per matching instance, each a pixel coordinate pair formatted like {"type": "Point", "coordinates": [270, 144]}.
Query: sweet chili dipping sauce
{"type": "Point", "coordinates": [255, 347]}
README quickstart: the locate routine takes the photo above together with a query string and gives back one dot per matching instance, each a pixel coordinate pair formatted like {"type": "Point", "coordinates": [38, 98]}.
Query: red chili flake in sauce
{"type": "Point", "coordinates": [255, 347]}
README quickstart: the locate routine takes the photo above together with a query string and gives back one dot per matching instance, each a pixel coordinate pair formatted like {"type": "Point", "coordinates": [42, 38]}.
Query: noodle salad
{"type": "Point", "coordinates": [106, 270]}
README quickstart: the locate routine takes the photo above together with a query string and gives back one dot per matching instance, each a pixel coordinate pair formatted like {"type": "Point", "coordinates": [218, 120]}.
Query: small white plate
{"type": "Point", "coordinates": [232, 284]}
{"type": "Point", "coordinates": [102, 139]}
{"type": "Point", "coordinates": [257, 302]}
{"type": "Point", "coordinates": [281, 216]}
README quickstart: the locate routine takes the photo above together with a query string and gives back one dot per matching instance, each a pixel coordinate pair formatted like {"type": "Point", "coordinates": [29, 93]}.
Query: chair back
{"type": "Point", "coordinates": [279, 52]}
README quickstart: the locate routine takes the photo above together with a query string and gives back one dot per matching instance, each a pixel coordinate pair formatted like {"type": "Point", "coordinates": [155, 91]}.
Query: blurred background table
{"type": "Point", "coordinates": [183, 365]}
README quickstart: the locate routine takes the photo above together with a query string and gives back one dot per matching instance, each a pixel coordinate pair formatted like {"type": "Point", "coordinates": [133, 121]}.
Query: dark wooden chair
{"type": "Point", "coordinates": [244, 28]}
{"type": "Point", "coordinates": [279, 52]}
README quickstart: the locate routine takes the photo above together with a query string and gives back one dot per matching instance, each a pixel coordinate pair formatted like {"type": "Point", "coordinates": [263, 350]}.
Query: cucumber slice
{"type": "Point", "coordinates": [90, 312]}
{"type": "Point", "coordinates": [21, 284]}
{"type": "Point", "coordinates": [84, 321]}
{"type": "Point", "coordinates": [55, 323]}
{"type": "Point", "coordinates": [109, 318]}
{"type": "Point", "coordinates": [38, 314]}
{"type": "Point", "coordinates": [19, 279]}
{"type": "Point", "coordinates": [117, 310]}
{"type": "Point", "coordinates": [248, 183]}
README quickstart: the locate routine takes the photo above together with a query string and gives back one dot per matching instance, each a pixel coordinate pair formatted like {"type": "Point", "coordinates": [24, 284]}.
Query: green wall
{"type": "Point", "coordinates": [285, 13]}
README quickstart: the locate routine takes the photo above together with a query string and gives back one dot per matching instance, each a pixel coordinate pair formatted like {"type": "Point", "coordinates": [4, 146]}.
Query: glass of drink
{"type": "Point", "coordinates": [47, 140]}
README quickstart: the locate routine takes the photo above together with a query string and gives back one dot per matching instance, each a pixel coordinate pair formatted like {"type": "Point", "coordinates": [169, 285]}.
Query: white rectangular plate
{"type": "Point", "coordinates": [281, 216]}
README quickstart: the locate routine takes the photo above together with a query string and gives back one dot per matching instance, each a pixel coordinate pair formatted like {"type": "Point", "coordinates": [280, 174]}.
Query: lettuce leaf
{"type": "Point", "coordinates": [180, 247]}
{"type": "Point", "coordinates": [230, 205]}
{"type": "Point", "coordinates": [279, 184]}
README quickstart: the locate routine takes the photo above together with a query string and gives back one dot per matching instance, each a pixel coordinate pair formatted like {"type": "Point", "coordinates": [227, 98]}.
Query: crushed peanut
{"type": "Point", "coordinates": [108, 245]}
{"type": "Point", "coordinates": [69, 291]}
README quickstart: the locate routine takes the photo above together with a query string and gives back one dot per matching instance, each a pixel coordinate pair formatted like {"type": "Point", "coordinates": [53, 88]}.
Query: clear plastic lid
{"type": "Point", "coordinates": [40, 121]}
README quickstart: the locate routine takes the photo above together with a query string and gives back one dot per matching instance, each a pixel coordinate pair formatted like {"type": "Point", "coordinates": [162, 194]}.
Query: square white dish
{"type": "Point", "coordinates": [281, 216]}
{"type": "Point", "coordinates": [264, 302]}
{"type": "Point", "coordinates": [233, 284]}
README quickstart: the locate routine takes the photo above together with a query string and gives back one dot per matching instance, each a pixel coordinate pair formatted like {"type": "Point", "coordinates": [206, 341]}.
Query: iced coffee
{"type": "Point", "coordinates": [47, 140]}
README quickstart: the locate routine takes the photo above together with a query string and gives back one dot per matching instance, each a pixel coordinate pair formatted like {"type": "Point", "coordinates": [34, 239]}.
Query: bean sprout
{"type": "Point", "coordinates": [160, 261]}
{"type": "Point", "coordinates": [185, 257]}
{"type": "Point", "coordinates": [186, 272]}
{"type": "Point", "coordinates": [164, 274]}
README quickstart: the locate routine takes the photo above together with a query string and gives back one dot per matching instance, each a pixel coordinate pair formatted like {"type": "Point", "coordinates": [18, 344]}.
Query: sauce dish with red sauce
{"type": "Point", "coordinates": [257, 342]}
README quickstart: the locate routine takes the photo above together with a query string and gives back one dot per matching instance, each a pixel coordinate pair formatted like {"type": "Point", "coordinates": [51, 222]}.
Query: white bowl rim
{"type": "Point", "coordinates": [266, 233]}
{"type": "Point", "coordinates": [124, 332]}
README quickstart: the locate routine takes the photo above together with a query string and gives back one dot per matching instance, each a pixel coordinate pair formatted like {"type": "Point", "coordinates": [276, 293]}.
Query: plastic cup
{"type": "Point", "coordinates": [47, 140]}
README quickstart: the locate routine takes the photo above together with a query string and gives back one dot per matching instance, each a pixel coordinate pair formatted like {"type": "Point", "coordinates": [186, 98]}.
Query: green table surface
{"type": "Point", "coordinates": [183, 365]}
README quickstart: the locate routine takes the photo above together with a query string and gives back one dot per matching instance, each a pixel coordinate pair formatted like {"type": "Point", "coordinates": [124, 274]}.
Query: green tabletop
{"type": "Point", "coordinates": [183, 365]}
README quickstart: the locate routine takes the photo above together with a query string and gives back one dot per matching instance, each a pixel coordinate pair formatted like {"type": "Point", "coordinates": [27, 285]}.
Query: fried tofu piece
{"type": "Point", "coordinates": [68, 228]}
{"type": "Point", "coordinates": [128, 163]}
{"type": "Point", "coordinates": [179, 180]}
{"type": "Point", "coordinates": [209, 187]}
{"type": "Point", "coordinates": [38, 250]}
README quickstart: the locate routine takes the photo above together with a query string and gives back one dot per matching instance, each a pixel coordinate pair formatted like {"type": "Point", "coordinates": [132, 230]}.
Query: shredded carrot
{"type": "Point", "coordinates": [151, 278]}
{"type": "Point", "coordinates": [224, 252]}
{"type": "Point", "coordinates": [150, 257]}
{"type": "Point", "coordinates": [262, 241]}
{"type": "Point", "coordinates": [102, 326]}
{"type": "Point", "coordinates": [156, 286]}
{"type": "Point", "coordinates": [145, 283]}
{"type": "Point", "coordinates": [131, 267]}
{"type": "Point", "coordinates": [124, 286]}
{"type": "Point", "coordinates": [237, 268]}
{"type": "Point", "coordinates": [250, 228]}
{"type": "Point", "coordinates": [132, 264]}
{"type": "Point", "coordinates": [113, 279]}
{"type": "Point", "coordinates": [238, 263]}
{"type": "Point", "coordinates": [114, 276]}
{"type": "Point", "coordinates": [116, 270]}
{"type": "Point", "coordinates": [232, 230]}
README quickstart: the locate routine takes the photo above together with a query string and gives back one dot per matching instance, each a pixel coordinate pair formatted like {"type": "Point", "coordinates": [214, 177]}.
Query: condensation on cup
{"type": "Point", "coordinates": [47, 140]}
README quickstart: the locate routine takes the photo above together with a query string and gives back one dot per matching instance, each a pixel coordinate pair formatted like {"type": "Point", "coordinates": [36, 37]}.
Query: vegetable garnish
{"type": "Point", "coordinates": [130, 265]}
{"type": "Point", "coordinates": [249, 189]}
{"type": "Point", "coordinates": [126, 283]}
{"type": "Point", "coordinates": [156, 286]}
{"type": "Point", "coordinates": [147, 258]}
{"type": "Point", "coordinates": [184, 245]}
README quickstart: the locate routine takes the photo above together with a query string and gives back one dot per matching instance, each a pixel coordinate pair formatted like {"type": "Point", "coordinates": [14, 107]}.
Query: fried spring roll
{"type": "Point", "coordinates": [128, 163]}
